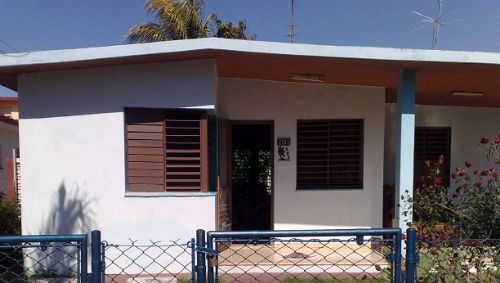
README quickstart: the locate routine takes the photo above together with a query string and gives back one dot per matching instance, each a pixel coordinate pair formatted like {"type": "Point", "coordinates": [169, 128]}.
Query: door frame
{"type": "Point", "coordinates": [230, 161]}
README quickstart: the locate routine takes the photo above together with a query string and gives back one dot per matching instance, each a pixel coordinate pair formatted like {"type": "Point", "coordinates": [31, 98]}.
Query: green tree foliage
{"type": "Point", "coordinates": [177, 19]}
{"type": "Point", "coordinates": [181, 19]}
{"type": "Point", "coordinates": [10, 216]}
{"type": "Point", "coordinates": [230, 30]}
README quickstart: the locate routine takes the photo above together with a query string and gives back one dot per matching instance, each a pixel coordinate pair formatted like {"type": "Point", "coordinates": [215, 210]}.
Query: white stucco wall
{"type": "Point", "coordinates": [284, 103]}
{"type": "Point", "coordinates": [73, 155]}
{"type": "Point", "coordinates": [468, 125]}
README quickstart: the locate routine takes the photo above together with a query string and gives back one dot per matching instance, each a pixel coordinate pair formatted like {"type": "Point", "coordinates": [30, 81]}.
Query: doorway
{"type": "Point", "coordinates": [251, 176]}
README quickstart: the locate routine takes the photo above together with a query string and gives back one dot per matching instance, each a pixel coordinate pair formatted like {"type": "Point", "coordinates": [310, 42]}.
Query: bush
{"type": "Point", "coordinates": [10, 224]}
{"type": "Point", "coordinates": [458, 231]}
{"type": "Point", "coordinates": [472, 210]}
{"type": "Point", "coordinates": [10, 220]}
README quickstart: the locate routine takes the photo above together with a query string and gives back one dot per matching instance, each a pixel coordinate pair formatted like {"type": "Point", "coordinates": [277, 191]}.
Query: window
{"type": "Point", "coordinates": [430, 144]}
{"type": "Point", "coordinates": [166, 150]}
{"type": "Point", "coordinates": [329, 154]}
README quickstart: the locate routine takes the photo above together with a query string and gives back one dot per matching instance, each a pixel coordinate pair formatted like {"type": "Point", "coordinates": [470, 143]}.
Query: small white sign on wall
{"type": "Point", "coordinates": [283, 144]}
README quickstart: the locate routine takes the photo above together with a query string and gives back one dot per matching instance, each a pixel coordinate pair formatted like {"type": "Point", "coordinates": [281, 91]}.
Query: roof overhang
{"type": "Point", "coordinates": [439, 73]}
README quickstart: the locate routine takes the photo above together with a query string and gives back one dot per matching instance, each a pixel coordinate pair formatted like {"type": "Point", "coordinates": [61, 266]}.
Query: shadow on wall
{"type": "Point", "coordinates": [71, 213]}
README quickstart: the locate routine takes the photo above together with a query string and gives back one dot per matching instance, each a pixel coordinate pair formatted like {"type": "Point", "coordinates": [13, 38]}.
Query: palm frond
{"type": "Point", "coordinates": [205, 26]}
{"type": "Point", "coordinates": [177, 19]}
{"type": "Point", "coordinates": [145, 32]}
{"type": "Point", "coordinates": [170, 15]}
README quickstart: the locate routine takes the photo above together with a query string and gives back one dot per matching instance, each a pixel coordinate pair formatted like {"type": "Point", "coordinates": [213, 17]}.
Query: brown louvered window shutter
{"type": "Point", "coordinates": [430, 144]}
{"type": "Point", "coordinates": [330, 154]}
{"type": "Point", "coordinates": [145, 150]}
{"type": "Point", "coordinates": [186, 151]}
{"type": "Point", "coordinates": [167, 150]}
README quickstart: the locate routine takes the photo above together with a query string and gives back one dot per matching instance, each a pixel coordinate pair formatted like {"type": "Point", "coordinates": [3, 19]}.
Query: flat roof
{"type": "Point", "coordinates": [439, 72]}
{"type": "Point", "coordinates": [248, 46]}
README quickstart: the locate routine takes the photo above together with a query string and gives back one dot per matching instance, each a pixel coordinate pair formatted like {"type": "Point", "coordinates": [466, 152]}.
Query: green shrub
{"type": "Point", "coordinates": [458, 231]}
{"type": "Point", "coordinates": [10, 216]}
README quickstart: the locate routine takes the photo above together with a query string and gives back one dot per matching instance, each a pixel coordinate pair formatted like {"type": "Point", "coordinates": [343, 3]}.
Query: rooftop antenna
{"type": "Point", "coordinates": [8, 45]}
{"type": "Point", "coordinates": [437, 22]}
{"type": "Point", "coordinates": [291, 35]}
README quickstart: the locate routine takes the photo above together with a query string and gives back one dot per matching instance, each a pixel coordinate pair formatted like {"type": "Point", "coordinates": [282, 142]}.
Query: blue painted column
{"type": "Point", "coordinates": [405, 144]}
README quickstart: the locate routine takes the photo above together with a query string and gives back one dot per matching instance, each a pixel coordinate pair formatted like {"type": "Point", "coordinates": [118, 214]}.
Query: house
{"type": "Point", "coordinates": [8, 107]}
{"type": "Point", "coordinates": [154, 141]}
{"type": "Point", "coordinates": [9, 145]}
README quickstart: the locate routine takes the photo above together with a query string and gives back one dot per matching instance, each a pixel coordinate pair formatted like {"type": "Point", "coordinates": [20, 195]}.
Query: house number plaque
{"type": "Point", "coordinates": [283, 149]}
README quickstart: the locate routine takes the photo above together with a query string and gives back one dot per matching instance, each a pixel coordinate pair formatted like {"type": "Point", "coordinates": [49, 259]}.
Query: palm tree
{"type": "Point", "coordinates": [177, 19]}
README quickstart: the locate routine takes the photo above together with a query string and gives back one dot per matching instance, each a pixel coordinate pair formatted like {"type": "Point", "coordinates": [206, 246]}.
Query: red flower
{"type": "Point", "coordinates": [377, 267]}
{"type": "Point", "coordinates": [461, 173]}
{"type": "Point", "coordinates": [497, 140]}
{"type": "Point", "coordinates": [455, 194]}
{"type": "Point", "coordinates": [468, 164]}
{"type": "Point", "coordinates": [364, 277]}
{"type": "Point", "coordinates": [438, 180]}
{"type": "Point", "coordinates": [475, 172]}
{"type": "Point", "coordinates": [434, 251]}
{"type": "Point", "coordinates": [494, 174]}
{"type": "Point", "coordinates": [430, 188]}
{"type": "Point", "coordinates": [485, 140]}
{"type": "Point", "coordinates": [478, 184]}
{"type": "Point", "coordinates": [422, 237]}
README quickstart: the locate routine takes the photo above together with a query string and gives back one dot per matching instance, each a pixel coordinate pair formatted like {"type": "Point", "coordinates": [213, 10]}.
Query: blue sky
{"type": "Point", "coordinates": [29, 25]}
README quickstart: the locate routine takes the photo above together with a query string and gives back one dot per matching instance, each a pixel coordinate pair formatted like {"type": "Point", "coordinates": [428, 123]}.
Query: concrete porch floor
{"type": "Point", "coordinates": [345, 255]}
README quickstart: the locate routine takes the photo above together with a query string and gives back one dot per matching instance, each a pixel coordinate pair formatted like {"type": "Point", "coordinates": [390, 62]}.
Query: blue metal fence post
{"type": "Point", "coordinates": [96, 256]}
{"type": "Point", "coordinates": [201, 270]}
{"type": "Point", "coordinates": [397, 258]}
{"type": "Point", "coordinates": [103, 261]}
{"type": "Point", "coordinates": [210, 274]}
{"type": "Point", "coordinates": [193, 260]}
{"type": "Point", "coordinates": [84, 261]}
{"type": "Point", "coordinates": [411, 255]}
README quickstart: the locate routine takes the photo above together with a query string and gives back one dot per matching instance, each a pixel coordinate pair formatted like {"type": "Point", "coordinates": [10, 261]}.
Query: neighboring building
{"type": "Point", "coordinates": [9, 143]}
{"type": "Point", "coordinates": [153, 141]}
{"type": "Point", "coordinates": [8, 107]}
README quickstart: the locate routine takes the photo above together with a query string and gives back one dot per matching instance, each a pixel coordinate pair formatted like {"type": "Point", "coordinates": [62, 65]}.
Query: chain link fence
{"type": "Point", "coordinates": [457, 260]}
{"type": "Point", "coordinates": [148, 262]}
{"type": "Point", "coordinates": [286, 256]}
{"type": "Point", "coordinates": [43, 259]}
{"type": "Point", "coordinates": [372, 255]}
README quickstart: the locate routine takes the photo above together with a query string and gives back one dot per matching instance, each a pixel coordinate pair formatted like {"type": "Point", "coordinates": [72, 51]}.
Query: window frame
{"type": "Point", "coordinates": [447, 157]}
{"type": "Point", "coordinates": [204, 152]}
{"type": "Point", "coordinates": [359, 184]}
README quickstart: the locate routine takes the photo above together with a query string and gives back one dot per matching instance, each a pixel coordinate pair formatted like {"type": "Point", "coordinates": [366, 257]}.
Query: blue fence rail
{"type": "Point", "coordinates": [272, 256]}
{"type": "Point", "coordinates": [237, 256]}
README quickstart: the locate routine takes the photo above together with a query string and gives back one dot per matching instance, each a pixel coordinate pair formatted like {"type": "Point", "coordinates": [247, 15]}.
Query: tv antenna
{"type": "Point", "coordinates": [291, 35]}
{"type": "Point", "coordinates": [437, 22]}
{"type": "Point", "coordinates": [8, 45]}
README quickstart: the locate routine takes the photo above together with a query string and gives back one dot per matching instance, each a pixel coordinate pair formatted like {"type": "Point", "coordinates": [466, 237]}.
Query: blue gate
{"type": "Point", "coordinates": [292, 256]}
